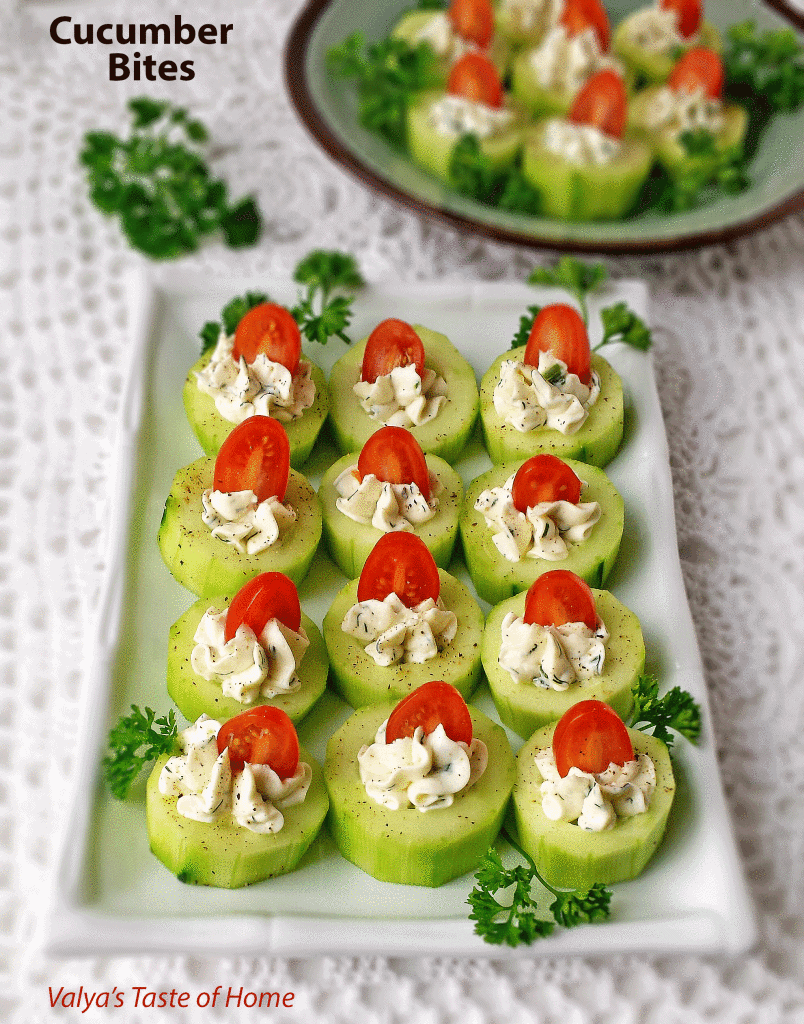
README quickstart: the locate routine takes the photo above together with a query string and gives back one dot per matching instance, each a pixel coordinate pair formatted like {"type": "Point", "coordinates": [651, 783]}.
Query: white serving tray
{"type": "Point", "coordinates": [111, 895]}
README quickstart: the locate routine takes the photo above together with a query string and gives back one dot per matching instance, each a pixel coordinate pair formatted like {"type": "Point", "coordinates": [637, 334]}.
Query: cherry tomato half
{"type": "Point", "coordinates": [472, 20]}
{"type": "Point", "coordinates": [392, 343]}
{"type": "Point", "coordinates": [394, 454]}
{"type": "Point", "coordinates": [559, 329]}
{"type": "Point", "coordinates": [261, 735]}
{"type": "Point", "coordinates": [402, 563]}
{"type": "Point", "coordinates": [559, 596]}
{"type": "Point", "coordinates": [698, 69]}
{"type": "Point", "coordinates": [601, 103]}
{"type": "Point", "coordinates": [591, 736]}
{"type": "Point", "coordinates": [578, 15]}
{"type": "Point", "coordinates": [256, 457]}
{"type": "Point", "coordinates": [475, 78]}
{"type": "Point", "coordinates": [689, 15]}
{"type": "Point", "coordinates": [544, 478]}
{"type": "Point", "coordinates": [269, 329]}
{"type": "Point", "coordinates": [271, 595]}
{"type": "Point", "coordinates": [427, 706]}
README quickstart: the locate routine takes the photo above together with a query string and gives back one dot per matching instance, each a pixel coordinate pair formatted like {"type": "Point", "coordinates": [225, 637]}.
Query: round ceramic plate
{"type": "Point", "coordinates": [328, 108]}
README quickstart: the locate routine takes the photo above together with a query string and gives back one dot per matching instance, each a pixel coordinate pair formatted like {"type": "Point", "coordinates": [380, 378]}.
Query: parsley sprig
{"type": "Point", "coordinates": [574, 276]}
{"type": "Point", "coordinates": [620, 323]}
{"type": "Point", "coordinates": [137, 739]}
{"type": "Point", "coordinates": [158, 183]}
{"type": "Point", "coordinates": [319, 314]}
{"type": "Point", "coordinates": [231, 315]}
{"type": "Point", "coordinates": [504, 923]}
{"type": "Point", "coordinates": [676, 710]}
{"type": "Point", "coordinates": [472, 174]}
{"type": "Point", "coordinates": [768, 65]}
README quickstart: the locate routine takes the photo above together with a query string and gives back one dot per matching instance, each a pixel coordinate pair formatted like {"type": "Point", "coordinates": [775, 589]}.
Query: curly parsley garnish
{"type": "Point", "coordinates": [676, 710]}
{"type": "Point", "coordinates": [767, 65]}
{"type": "Point", "coordinates": [159, 185]}
{"type": "Point", "coordinates": [620, 323]}
{"type": "Point", "coordinates": [137, 739]}
{"type": "Point", "coordinates": [472, 174]}
{"type": "Point", "coordinates": [519, 921]}
{"type": "Point", "coordinates": [574, 276]}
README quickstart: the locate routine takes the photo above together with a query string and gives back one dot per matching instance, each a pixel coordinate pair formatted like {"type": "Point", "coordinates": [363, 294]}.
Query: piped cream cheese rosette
{"type": "Point", "coordinates": [246, 513]}
{"type": "Point", "coordinates": [390, 486]}
{"type": "Point", "coordinates": [556, 645]}
{"type": "Point", "coordinates": [236, 803]}
{"type": "Point", "coordinates": [257, 648]}
{"type": "Point", "coordinates": [257, 370]}
{"type": "Point", "coordinates": [552, 396]}
{"type": "Point", "coordinates": [520, 521]}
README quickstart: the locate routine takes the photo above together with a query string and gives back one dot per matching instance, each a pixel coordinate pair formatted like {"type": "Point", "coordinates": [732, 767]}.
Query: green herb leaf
{"type": "Point", "coordinates": [620, 323]}
{"type": "Point", "coordinates": [768, 64]}
{"type": "Point", "coordinates": [516, 922]}
{"type": "Point", "coordinates": [525, 325]}
{"type": "Point", "coordinates": [574, 276]}
{"type": "Point", "coordinates": [676, 710]}
{"type": "Point", "coordinates": [158, 184]}
{"type": "Point", "coordinates": [324, 272]}
{"type": "Point", "coordinates": [137, 739]}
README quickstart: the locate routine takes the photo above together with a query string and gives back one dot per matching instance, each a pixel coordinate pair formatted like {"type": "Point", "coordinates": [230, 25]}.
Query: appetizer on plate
{"type": "Point", "coordinates": [404, 621]}
{"type": "Point", "coordinates": [521, 520]}
{"type": "Point", "coordinates": [236, 803]}
{"type": "Point", "coordinates": [418, 790]}
{"type": "Point", "coordinates": [650, 41]}
{"type": "Point", "coordinates": [405, 376]}
{"type": "Point", "coordinates": [467, 27]}
{"type": "Point", "coordinates": [259, 647]}
{"type": "Point", "coordinates": [556, 645]}
{"type": "Point", "coordinates": [390, 486]}
{"type": "Point", "coordinates": [246, 512]}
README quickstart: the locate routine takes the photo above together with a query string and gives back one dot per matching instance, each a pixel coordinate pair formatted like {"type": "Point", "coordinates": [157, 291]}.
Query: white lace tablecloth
{"type": "Point", "coordinates": [730, 357]}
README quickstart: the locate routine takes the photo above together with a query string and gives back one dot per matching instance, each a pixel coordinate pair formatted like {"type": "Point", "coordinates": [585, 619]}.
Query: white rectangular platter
{"type": "Point", "coordinates": [110, 895]}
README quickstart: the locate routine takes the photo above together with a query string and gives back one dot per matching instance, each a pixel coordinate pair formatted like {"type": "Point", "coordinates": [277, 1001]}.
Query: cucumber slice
{"type": "Point", "coordinates": [223, 853]}
{"type": "Point", "coordinates": [350, 543]}
{"type": "Point", "coordinates": [411, 23]}
{"type": "Point", "coordinates": [525, 708]}
{"type": "Point", "coordinates": [651, 67]}
{"type": "Point", "coordinates": [574, 192]}
{"type": "Point", "coordinates": [360, 681]}
{"type": "Point", "coordinates": [444, 436]}
{"type": "Point", "coordinates": [408, 846]}
{"type": "Point", "coordinates": [195, 695]}
{"type": "Point", "coordinates": [670, 152]}
{"type": "Point", "coordinates": [569, 857]}
{"type": "Point", "coordinates": [536, 98]}
{"type": "Point", "coordinates": [208, 566]}
{"type": "Point", "coordinates": [510, 23]}
{"type": "Point", "coordinates": [432, 150]}
{"type": "Point", "coordinates": [596, 442]}
{"type": "Point", "coordinates": [495, 578]}
{"type": "Point", "coordinates": [212, 429]}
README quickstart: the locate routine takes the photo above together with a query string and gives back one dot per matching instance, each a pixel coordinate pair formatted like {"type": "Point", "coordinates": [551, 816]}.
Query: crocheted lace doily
{"type": "Point", "coordinates": [731, 374]}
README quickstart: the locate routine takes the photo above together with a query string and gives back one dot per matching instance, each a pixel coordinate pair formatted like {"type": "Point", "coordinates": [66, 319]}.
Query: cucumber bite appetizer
{"type": "Point", "coordinates": [521, 520]}
{"type": "Point", "coordinates": [391, 485]}
{"type": "Point", "coordinates": [257, 370]}
{"type": "Point", "coordinates": [418, 791]}
{"type": "Point", "coordinates": [524, 23]}
{"type": "Point", "coordinates": [237, 803]}
{"type": "Point", "coordinates": [650, 41]}
{"type": "Point", "coordinates": [592, 797]}
{"type": "Point", "coordinates": [405, 376]}
{"type": "Point", "coordinates": [558, 644]}
{"type": "Point", "coordinates": [255, 648]}
{"type": "Point", "coordinates": [581, 165]}
{"type": "Point", "coordinates": [246, 512]}
{"type": "Point", "coordinates": [474, 104]}
{"type": "Point", "coordinates": [686, 122]}
{"type": "Point", "coordinates": [404, 621]}
{"type": "Point", "coordinates": [552, 395]}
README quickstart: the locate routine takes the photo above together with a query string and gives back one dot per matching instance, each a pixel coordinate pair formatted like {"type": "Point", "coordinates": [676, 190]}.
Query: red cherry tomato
{"type": "Point", "coordinates": [472, 20]}
{"type": "Point", "coordinates": [402, 563]}
{"type": "Point", "coordinates": [262, 735]}
{"type": "Point", "coordinates": [394, 454]}
{"type": "Point", "coordinates": [475, 78]}
{"type": "Point", "coordinates": [698, 69]}
{"type": "Point", "coordinates": [271, 595]}
{"type": "Point", "coordinates": [689, 15]}
{"type": "Point", "coordinates": [392, 343]}
{"type": "Point", "coordinates": [559, 596]}
{"type": "Point", "coordinates": [560, 330]}
{"type": "Point", "coordinates": [602, 103]}
{"type": "Point", "coordinates": [269, 329]}
{"type": "Point", "coordinates": [591, 736]}
{"type": "Point", "coordinates": [256, 457]}
{"type": "Point", "coordinates": [544, 478]}
{"type": "Point", "coordinates": [428, 705]}
{"type": "Point", "coordinates": [578, 15]}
